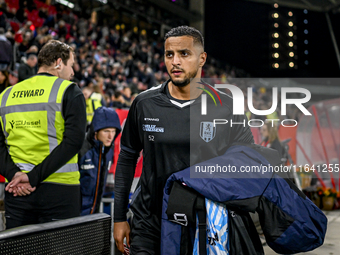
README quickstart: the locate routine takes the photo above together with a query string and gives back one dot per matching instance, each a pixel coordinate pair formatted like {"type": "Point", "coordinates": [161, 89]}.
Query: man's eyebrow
{"type": "Point", "coordinates": [181, 50]}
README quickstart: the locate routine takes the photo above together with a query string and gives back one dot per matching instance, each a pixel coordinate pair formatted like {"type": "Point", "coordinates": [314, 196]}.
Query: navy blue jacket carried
{"type": "Point", "coordinates": [95, 160]}
{"type": "Point", "coordinates": [290, 221]}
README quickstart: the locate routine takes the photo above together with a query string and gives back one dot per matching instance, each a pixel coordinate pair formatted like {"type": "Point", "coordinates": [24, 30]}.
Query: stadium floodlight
{"type": "Point", "coordinates": [276, 25]}
{"type": "Point", "coordinates": [291, 54]}
{"type": "Point", "coordinates": [66, 3]}
{"type": "Point", "coordinates": [276, 55]}
{"type": "Point", "coordinates": [290, 23]}
{"type": "Point", "coordinates": [291, 64]}
{"type": "Point", "coordinates": [290, 33]}
{"type": "Point", "coordinates": [290, 14]}
{"type": "Point", "coordinates": [276, 5]}
{"type": "Point", "coordinates": [276, 65]}
{"type": "Point", "coordinates": [275, 35]}
{"type": "Point", "coordinates": [275, 15]}
{"type": "Point", "coordinates": [290, 44]}
{"type": "Point", "coordinates": [276, 45]}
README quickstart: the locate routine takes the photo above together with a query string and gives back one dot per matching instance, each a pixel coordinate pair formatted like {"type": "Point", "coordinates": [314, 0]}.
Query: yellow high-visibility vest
{"type": "Point", "coordinates": [92, 103]}
{"type": "Point", "coordinates": [33, 124]}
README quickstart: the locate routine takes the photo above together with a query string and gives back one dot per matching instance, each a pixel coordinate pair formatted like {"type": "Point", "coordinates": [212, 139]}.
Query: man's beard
{"type": "Point", "coordinates": [185, 81]}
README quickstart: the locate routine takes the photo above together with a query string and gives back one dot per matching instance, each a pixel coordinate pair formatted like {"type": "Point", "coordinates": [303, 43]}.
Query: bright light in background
{"type": "Point", "coordinates": [290, 33]}
{"type": "Point", "coordinates": [291, 54]}
{"type": "Point", "coordinates": [276, 35]}
{"type": "Point", "coordinates": [276, 55]}
{"type": "Point", "coordinates": [66, 3]}
{"type": "Point", "coordinates": [290, 44]}
{"type": "Point", "coordinates": [275, 15]}
{"type": "Point", "coordinates": [305, 11]}
{"type": "Point", "coordinates": [291, 64]}
{"type": "Point", "coordinates": [276, 65]}
{"type": "Point", "coordinates": [276, 25]}
{"type": "Point", "coordinates": [276, 5]}
{"type": "Point", "coordinates": [290, 14]}
{"type": "Point", "coordinates": [117, 27]}
{"type": "Point", "coordinates": [305, 41]}
{"type": "Point", "coordinates": [122, 26]}
{"type": "Point", "coordinates": [290, 23]}
{"type": "Point", "coordinates": [276, 45]}
{"type": "Point", "coordinates": [306, 52]}
{"type": "Point", "coordinates": [305, 31]}
{"type": "Point", "coordinates": [305, 21]}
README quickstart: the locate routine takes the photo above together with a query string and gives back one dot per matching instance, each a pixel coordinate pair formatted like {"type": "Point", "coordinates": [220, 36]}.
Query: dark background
{"type": "Point", "coordinates": [239, 32]}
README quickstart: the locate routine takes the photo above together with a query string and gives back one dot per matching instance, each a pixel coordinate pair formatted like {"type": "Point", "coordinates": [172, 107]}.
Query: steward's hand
{"type": "Point", "coordinates": [23, 189]}
{"type": "Point", "coordinates": [19, 177]}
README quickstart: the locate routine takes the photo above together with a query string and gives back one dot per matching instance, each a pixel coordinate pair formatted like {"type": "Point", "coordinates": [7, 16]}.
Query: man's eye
{"type": "Point", "coordinates": [185, 53]}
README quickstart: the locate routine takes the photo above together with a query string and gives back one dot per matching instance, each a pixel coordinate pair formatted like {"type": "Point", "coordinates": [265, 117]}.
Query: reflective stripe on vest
{"type": "Point", "coordinates": [32, 122]}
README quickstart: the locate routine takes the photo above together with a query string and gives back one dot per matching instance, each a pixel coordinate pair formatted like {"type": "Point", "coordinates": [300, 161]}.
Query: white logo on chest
{"type": "Point", "coordinates": [207, 131]}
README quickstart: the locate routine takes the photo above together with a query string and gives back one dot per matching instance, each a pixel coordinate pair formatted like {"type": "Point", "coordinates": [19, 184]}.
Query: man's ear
{"type": "Point", "coordinates": [203, 58]}
{"type": "Point", "coordinates": [58, 64]}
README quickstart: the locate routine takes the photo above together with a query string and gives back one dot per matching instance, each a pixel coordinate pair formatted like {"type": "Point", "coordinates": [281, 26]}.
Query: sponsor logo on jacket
{"type": "Point", "coordinates": [153, 128]}
{"type": "Point", "coordinates": [25, 124]}
{"type": "Point", "coordinates": [87, 167]}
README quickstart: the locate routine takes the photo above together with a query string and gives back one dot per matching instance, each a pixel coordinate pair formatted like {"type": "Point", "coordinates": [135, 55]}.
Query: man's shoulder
{"type": "Point", "coordinates": [226, 99]}
{"type": "Point", "coordinates": [150, 93]}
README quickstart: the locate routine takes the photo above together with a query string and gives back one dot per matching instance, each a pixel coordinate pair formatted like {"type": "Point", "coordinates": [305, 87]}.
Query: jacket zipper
{"type": "Point", "coordinates": [98, 175]}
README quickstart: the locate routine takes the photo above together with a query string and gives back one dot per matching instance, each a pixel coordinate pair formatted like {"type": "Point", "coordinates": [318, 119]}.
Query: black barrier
{"type": "Point", "coordinates": [81, 235]}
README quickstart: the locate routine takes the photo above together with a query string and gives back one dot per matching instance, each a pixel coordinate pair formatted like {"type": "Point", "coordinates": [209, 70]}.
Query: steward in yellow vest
{"type": "Point", "coordinates": [93, 102]}
{"type": "Point", "coordinates": [43, 123]}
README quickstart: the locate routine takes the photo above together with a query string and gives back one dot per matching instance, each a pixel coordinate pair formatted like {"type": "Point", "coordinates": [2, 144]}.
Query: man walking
{"type": "Point", "coordinates": [159, 124]}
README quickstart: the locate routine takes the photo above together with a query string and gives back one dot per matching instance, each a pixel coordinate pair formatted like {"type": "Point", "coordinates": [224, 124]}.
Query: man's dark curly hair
{"type": "Point", "coordinates": [53, 50]}
{"type": "Point", "coordinates": [186, 31]}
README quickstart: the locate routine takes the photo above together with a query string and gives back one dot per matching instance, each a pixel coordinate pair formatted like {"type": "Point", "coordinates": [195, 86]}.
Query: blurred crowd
{"type": "Point", "coordinates": [114, 62]}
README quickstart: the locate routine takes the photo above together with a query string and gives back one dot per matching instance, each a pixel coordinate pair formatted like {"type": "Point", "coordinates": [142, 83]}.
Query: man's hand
{"type": "Point", "coordinates": [121, 230]}
{"type": "Point", "coordinates": [19, 185]}
{"type": "Point", "coordinates": [22, 189]}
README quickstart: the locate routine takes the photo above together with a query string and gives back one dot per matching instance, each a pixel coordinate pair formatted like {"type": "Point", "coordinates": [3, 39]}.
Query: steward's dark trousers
{"type": "Point", "coordinates": [47, 203]}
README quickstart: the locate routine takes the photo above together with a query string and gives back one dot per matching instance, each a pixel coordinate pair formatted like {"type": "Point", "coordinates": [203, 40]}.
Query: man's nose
{"type": "Point", "coordinates": [176, 60]}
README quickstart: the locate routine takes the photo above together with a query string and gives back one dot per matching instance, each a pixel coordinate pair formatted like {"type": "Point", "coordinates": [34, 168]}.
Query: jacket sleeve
{"type": "Point", "coordinates": [130, 147]}
{"type": "Point", "coordinates": [291, 222]}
